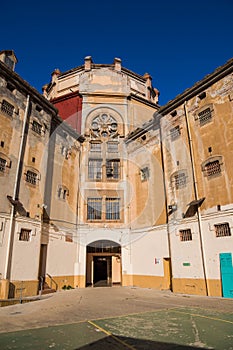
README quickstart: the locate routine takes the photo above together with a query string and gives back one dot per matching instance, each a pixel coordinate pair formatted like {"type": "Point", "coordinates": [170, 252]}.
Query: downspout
{"type": "Point", "coordinates": [166, 203]}
{"type": "Point", "coordinates": [195, 193]}
{"type": "Point", "coordinates": [7, 274]}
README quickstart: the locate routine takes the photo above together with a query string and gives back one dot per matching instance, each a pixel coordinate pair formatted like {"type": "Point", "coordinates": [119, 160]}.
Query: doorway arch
{"type": "Point", "coordinates": [103, 264]}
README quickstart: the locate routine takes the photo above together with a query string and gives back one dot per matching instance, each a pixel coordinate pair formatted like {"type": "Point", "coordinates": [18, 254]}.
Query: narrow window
{"type": "Point", "coordinates": [185, 235]}
{"type": "Point", "coordinates": [205, 116]}
{"type": "Point", "coordinates": [213, 168]}
{"type": "Point", "coordinates": [94, 208]}
{"type": "Point", "coordinates": [2, 165]}
{"type": "Point", "coordinates": [180, 180]}
{"type": "Point", "coordinates": [24, 235]}
{"type": "Point", "coordinates": [144, 172]}
{"type": "Point", "coordinates": [113, 169]}
{"type": "Point", "coordinates": [175, 132]}
{"type": "Point", "coordinates": [31, 177]}
{"type": "Point", "coordinates": [112, 208]}
{"type": "Point", "coordinates": [37, 127]}
{"type": "Point", "coordinates": [222, 230]}
{"type": "Point", "coordinates": [95, 169]}
{"type": "Point", "coordinates": [7, 108]}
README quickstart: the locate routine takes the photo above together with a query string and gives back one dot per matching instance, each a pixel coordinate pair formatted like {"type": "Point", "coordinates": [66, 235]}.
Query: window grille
{"type": "Point", "coordinates": [112, 147]}
{"type": "Point", "coordinates": [7, 108]}
{"type": "Point", "coordinates": [62, 192]}
{"type": "Point", "coordinates": [95, 169]}
{"type": "Point", "coordinates": [95, 147]}
{"type": "Point", "coordinates": [222, 230]}
{"type": "Point", "coordinates": [24, 235]}
{"type": "Point", "coordinates": [112, 208]}
{"type": "Point", "coordinates": [205, 116]}
{"type": "Point", "coordinates": [180, 180]}
{"type": "Point", "coordinates": [31, 177]}
{"type": "Point", "coordinates": [36, 127]}
{"type": "Point", "coordinates": [175, 132]}
{"type": "Point", "coordinates": [94, 208]}
{"type": "Point", "coordinates": [185, 235]}
{"type": "Point", "coordinates": [113, 169]}
{"type": "Point", "coordinates": [2, 165]}
{"type": "Point", "coordinates": [213, 168]}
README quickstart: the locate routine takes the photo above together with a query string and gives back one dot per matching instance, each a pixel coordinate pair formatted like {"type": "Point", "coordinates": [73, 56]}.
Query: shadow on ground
{"type": "Point", "coordinates": [123, 343]}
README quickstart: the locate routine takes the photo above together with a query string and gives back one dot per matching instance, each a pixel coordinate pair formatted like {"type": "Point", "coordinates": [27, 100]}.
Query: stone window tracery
{"type": "Point", "coordinates": [104, 126]}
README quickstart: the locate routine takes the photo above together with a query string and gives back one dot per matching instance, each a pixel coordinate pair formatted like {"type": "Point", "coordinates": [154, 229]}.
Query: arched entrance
{"type": "Point", "coordinates": [103, 268]}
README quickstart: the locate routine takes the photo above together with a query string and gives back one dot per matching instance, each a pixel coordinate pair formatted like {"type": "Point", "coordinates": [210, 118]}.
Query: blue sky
{"type": "Point", "coordinates": [177, 42]}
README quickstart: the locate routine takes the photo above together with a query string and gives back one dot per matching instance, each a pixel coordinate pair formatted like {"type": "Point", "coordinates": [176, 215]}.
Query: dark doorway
{"type": "Point", "coordinates": [102, 270]}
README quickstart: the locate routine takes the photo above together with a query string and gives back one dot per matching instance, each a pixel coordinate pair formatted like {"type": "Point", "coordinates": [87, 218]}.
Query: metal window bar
{"type": "Point", "coordinates": [213, 168]}
{"type": "Point", "coordinates": [180, 180]}
{"type": "Point", "coordinates": [2, 165]}
{"type": "Point", "coordinates": [36, 127]}
{"type": "Point", "coordinates": [222, 230]}
{"type": "Point", "coordinates": [112, 208]}
{"type": "Point", "coordinates": [175, 132]}
{"type": "Point", "coordinates": [7, 108]}
{"type": "Point", "coordinates": [95, 169]}
{"type": "Point", "coordinates": [24, 235]}
{"type": "Point", "coordinates": [185, 235]}
{"type": "Point", "coordinates": [113, 169]}
{"type": "Point", "coordinates": [31, 177]}
{"type": "Point", "coordinates": [205, 116]}
{"type": "Point", "coordinates": [94, 208]}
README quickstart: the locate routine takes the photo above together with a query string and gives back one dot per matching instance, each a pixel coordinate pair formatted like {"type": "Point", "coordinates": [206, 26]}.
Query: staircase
{"type": "Point", "coordinates": [46, 288]}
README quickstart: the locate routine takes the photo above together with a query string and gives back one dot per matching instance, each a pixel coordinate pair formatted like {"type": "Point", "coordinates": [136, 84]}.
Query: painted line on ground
{"type": "Point", "coordinates": [111, 335]}
{"type": "Point", "coordinates": [197, 315]}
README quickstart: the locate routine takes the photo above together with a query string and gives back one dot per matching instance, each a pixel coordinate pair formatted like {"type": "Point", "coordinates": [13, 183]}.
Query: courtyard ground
{"type": "Point", "coordinates": [118, 318]}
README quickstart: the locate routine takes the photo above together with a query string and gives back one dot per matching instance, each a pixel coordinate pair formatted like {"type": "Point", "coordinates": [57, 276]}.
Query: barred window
{"type": "Point", "coordinates": [175, 132]}
{"type": "Point", "coordinates": [62, 192]}
{"type": "Point", "coordinates": [180, 180]}
{"type": "Point", "coordinates": [205, 116]}
{"type": "Point", "coordinates": [94, 208]}
{"type": "Point", "coordinates": [112, 147]}
{"type": "Point", "coordinates": [7, 108]}
{"type": "Point", "coordinates": [36, 127]}
{"type": "Point", "coordinates": [112, 208]}
{"type": "Point", "coordinates": [113, 169]}
{"type": "Point", "coordinates": [185, 235]}
{"type": "Point", "coordinates": [2, 165]}
{"type": "Point", "coordinates": [95, 146]}
{"type": "Point", "coordinates": [24, 234]}
{"type": "Point", "coordinates": [213, 168]}
{"type": "Point", "coordinates": [95, 169]}
{"type": "Point", "coordinates": [31, 177]}
{"type": "Point", "coordinates": [222, 230]}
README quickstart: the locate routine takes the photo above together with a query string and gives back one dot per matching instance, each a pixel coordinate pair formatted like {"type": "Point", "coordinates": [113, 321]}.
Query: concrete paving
{"type": "Point", "coordinates": [118, 318]}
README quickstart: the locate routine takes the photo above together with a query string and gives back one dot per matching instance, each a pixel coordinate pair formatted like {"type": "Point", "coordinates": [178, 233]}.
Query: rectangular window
{"type": "Point", "coordinates": [95, 147]}
{"type": "Point", "coordinates": [94, 208]}
{"type": "Point", "coordinates": [24, 235]}
{"type": "Point", "coordinates": [180, 180]}
{"type": "Point", "coordinates": [112, 208]}
{"type": "Point", "coordinates": [2, 165]}
{"type": "Point", "coordinates": [144, 172]}
{"type": "Point", "coordinates": [95, 169]}
{"type": "Point", "coordinates": [222, 230]}
{"type": "Point", "coordinates": [36, 127]}
{"type": "Point", "coordinates": [185, 235]}
{"type": "Point", "coordinates": [205, 116]}
{"type": "Point", "coordinates": [7, 108]}
{"type": "Point", "coordinates": [112, 147]}
{"type": "Point", "coordinates": [113, 169]}
{"type": "Point", "coordinates": [31, 177]}
{"type": "Point", "coordinates": [213, 168]}
{"type": "Point", "coordinates": [175, 132]}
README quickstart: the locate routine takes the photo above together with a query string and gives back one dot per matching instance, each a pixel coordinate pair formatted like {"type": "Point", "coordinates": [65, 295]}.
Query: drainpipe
{"type": "Point", "coordinates": [191, 153]}
{"type": "Point", "coordinates": [7, 274]}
